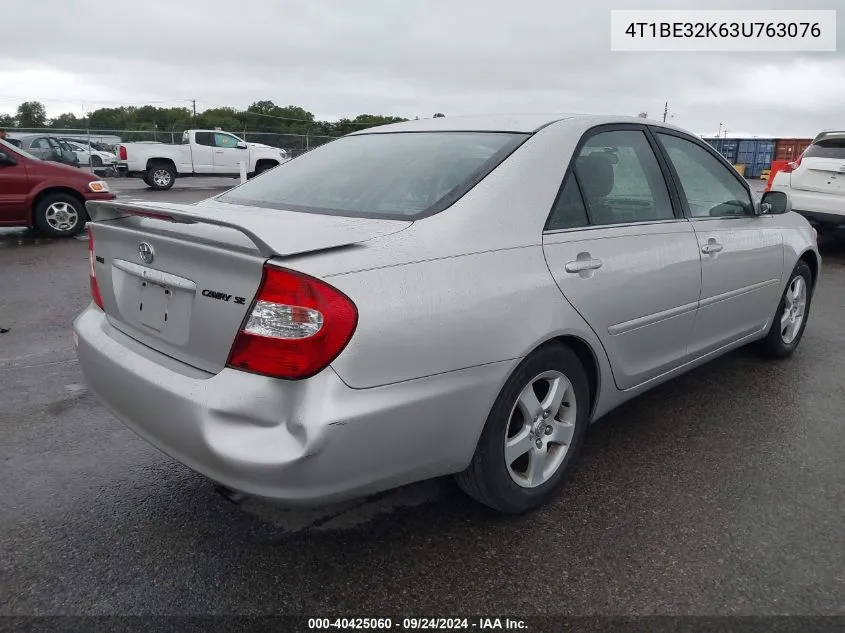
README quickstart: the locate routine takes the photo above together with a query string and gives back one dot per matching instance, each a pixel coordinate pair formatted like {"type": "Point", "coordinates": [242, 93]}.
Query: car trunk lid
{"type": "Point", "coordinates": [822, 167]}
{"type": "Point", "coordinates": [180, 279]}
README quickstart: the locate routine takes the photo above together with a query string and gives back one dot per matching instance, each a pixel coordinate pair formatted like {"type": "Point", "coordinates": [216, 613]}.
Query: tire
{"type": "Point", "coordinates": [786, 331]}
{"type": "Point", "coordinates": [60, 215]}
{"type": "Point", "coordinates": [160, 176]}
{"type": "Point", "coordinates": [507, 487]}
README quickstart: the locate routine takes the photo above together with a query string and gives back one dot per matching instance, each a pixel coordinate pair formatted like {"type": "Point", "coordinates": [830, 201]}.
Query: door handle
{"type": "Point", "coordinates": [580, 265]}
{"type": "Point", "coordinates": [218, 151]}
{"type": "Point", "coordinates": [712, 247]}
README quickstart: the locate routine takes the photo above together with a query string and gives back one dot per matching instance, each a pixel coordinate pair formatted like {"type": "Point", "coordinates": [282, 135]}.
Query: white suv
{"type": "Point", "coordinates": [816, 182]}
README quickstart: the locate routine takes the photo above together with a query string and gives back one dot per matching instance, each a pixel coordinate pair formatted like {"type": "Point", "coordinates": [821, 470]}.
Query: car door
{"type": "Point", "coordinates": [202, 152]}
{"type": "Point", "coordinates": [741, 253]}
{"type": "Point", "coordinates": [14, 187]}
{"type": "Point", "coordinates": [40, 148]}
{"type": "Point", "coordinates": [623, 255]}
{"type": "Point", "coordinates": [82, 153]}
{"type": "Point", "coordinates": [227, 154]}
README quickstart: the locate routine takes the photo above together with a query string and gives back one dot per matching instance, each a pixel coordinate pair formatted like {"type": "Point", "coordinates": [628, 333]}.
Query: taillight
{"type": "Point", "coordinates": [790, 167]}
{"type": "Point", "coordinates": [92, 273]}
{"type": "Point", "coordinates": [296, 326]}
{"type": "Point", "coordinates": [121, 152]}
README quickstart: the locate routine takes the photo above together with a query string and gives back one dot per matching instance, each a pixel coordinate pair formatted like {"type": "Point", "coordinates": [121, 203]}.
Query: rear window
{"type": "Point", "coordinates": [404, 175]}
{"type": "Point", "coordinates": [827, 148]}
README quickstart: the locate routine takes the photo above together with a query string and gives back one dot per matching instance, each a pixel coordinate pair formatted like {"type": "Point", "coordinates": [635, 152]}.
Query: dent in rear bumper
{"type": "Point", "coordinates": [309, 441]}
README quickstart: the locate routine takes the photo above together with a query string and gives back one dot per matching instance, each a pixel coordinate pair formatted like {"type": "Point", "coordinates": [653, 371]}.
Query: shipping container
{"type": "Point", "coordinates": [790, 149]}
{"type": "Point", "coordinates": [756, 154]}
{"type": "Point", "coordinates": [727, 147]}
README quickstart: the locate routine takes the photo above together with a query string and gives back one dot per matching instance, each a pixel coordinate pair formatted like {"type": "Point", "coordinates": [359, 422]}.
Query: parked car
{"type": "Point", "coordinates": [433, 297]}
{"type": "Point", "coordinates": [47, 148]}
{"type": "Point", "coordinates": [816, 182]}
{"type": "Point", "coordinates": [202, 153]}
{"type": "Point", "coordinates": [47, 195]}
{"type": "Point", "coordinates": [93, 157]}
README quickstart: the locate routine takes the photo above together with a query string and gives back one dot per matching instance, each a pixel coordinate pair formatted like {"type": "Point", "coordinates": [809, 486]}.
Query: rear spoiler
{"type": "Point", "coordinates": [274, 233]}
{"type": "Point", "coordinates": [104, 211]}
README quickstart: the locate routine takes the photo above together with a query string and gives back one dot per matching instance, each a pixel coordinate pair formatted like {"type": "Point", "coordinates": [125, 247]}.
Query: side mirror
{"type": "Point", "coordinates": [775, 203]}
{"type": "Point", "coordinates": [241, 145]}
{"type": "Point", "coordinates": [6, 160]}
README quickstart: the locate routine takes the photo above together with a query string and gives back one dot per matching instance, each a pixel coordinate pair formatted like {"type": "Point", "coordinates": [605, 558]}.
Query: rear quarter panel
{"type": "Point", "coordinates": [442, 315]}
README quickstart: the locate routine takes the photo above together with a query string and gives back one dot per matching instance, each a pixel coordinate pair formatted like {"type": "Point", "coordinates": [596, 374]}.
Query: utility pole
{"type": "Point", "coordinates": [719, 134]}
{"type": "Point", "coordinates": [194, 104]}
{"type": "Point", "coordinates": [665, 111]}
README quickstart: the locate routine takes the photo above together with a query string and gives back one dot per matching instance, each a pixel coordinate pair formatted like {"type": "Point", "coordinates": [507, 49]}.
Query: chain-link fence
{"type": "Point", "coordinates": [293, 144]}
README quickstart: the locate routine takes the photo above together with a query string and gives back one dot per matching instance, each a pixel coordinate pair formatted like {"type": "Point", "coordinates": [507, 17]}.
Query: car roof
{"type": "Point", "coordinates": [522, 123]}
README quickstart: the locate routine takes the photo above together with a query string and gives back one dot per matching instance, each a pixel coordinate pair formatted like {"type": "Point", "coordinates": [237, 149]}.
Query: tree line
{"type": "Point", "coordinates": [261, 116]}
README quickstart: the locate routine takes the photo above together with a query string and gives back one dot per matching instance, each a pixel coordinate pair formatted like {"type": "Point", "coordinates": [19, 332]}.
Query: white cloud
{"type": "Point", "coordinates": [382, 56]}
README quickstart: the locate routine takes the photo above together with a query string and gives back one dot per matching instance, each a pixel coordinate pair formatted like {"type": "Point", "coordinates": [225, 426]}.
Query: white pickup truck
{"type": "Point", "coordinates": [201, 153]}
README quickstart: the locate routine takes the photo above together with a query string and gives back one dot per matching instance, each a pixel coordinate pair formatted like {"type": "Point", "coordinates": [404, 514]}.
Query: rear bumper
{"type": "Point", "coordinates": [304, 442]}
{"type": "Point", "coordinates": [823, 210]}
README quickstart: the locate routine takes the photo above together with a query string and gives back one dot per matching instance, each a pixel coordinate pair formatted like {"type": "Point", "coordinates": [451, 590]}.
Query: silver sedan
{"type": "Point", "coordinates": [447, 296]}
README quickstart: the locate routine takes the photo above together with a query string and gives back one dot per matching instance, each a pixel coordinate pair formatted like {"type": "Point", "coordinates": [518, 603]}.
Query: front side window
{"type": "Point", "coordinates": [225, 140]}
{"type": "Point", "coordinates": [709, 186]}
{"type": "Point", "coordinates": [621, 180]}
{"type": "Point", "coordinates": [400, 175]}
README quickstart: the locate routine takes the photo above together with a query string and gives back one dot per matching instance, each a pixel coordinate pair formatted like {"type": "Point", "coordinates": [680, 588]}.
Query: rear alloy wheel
{"type": "Point", "coordinates": [60, 215]}
{"type": "Point", "coordinates": [791, 317]}
{"type": "Point", "coordinates": [160, 177]}
{"type": "Point", "coordinates": [533, 433]}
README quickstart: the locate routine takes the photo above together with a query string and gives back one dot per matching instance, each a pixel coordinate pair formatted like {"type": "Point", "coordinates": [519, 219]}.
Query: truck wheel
{"type": "Point", "coordinates": [60, 215]}
{"type": "Point", "coordinates": [160, 177]}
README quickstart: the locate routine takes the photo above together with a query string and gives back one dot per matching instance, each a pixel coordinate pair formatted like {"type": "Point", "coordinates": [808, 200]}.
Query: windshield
{"type": "Point", "coordinates": [393, 176]}
{"type": "Point", "coordinates": [17, 150]}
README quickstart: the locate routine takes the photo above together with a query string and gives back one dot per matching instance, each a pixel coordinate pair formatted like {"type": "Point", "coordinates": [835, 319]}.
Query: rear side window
{"type": "Point", "coordinates": [621, 180]}
{"type": "Point", "coordinates": [204, 138]}
{"type": "Point", "coordinates": [827, 148]}
{"type": "Point", "coordinates": [402, 175]}
{"type": "Point", "coordinates": [569, 211]}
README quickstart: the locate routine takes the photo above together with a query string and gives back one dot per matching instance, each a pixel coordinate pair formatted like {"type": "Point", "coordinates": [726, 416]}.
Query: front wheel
{"type": "Point", "coordinates": [533, 433]}
{"type": "Point", "coordinates": [160, 177]}
{"type": "Point", "coordinates": [60, 215]}
{"type": "Point", "coordinates": [791, 316]}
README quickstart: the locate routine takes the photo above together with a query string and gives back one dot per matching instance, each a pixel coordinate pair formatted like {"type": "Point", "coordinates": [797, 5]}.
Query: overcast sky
{"type": "Point", "coordinates": [407, 58]}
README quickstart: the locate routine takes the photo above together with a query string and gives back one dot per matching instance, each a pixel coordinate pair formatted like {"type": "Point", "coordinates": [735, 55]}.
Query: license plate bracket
{"type": "Point", "coordinates": [153, 304]}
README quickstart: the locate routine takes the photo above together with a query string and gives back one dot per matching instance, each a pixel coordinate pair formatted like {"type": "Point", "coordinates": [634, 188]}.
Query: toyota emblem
{"type": "Point", "coordinates": [146, 253]}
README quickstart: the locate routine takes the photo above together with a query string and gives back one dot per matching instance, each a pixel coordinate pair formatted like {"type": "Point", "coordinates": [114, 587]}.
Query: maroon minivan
{"type": "Point", "coordinates": [47, 195]}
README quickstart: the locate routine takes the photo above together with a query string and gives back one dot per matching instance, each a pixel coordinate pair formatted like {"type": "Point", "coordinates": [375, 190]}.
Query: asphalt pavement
{"type": "Point", "coordinates": [718, 493]}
